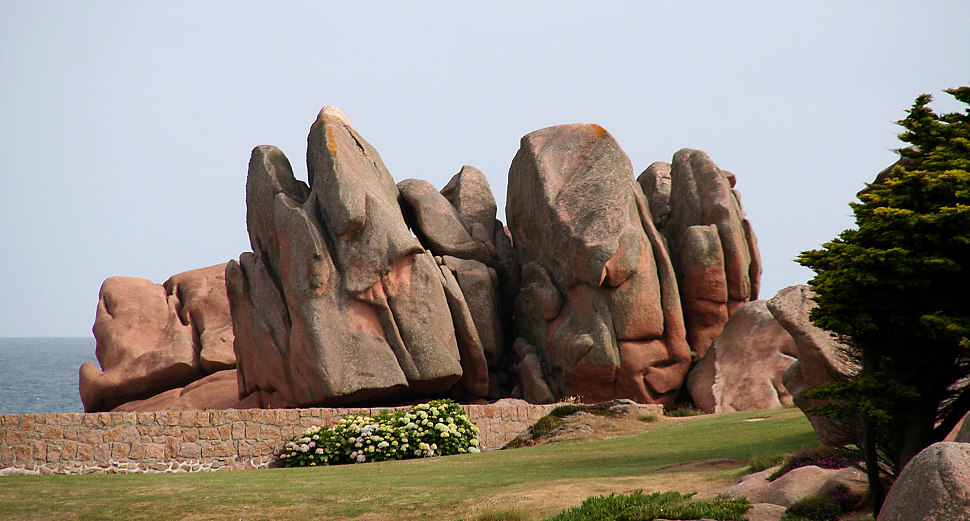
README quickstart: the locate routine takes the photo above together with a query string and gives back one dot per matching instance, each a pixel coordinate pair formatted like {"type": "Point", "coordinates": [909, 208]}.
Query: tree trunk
{"type": "Point", "coordinates": [871, 460]}
{"type": "Point", "coordinates": [919, 431]}
{"type": "Point", "coordinates": [870, 455]}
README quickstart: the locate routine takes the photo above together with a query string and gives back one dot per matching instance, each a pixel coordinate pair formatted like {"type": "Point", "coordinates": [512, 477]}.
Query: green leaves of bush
{"type": "Point", "coordinates": [665, 505]}
{"type": "Point", "coordinates": [436, 428]}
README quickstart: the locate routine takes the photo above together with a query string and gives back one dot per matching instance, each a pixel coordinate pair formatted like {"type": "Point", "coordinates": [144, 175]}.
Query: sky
{"type": "Point", "coordinates": [126, 127]}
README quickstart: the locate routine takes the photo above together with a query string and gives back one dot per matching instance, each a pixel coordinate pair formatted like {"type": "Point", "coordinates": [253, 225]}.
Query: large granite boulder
{"type": "Point", "coordinates": [152, 338]}
{"type": "Point", "coordinates": [799, 483]}
{"type": "Point", "coordinates": [458, 226]}
{"type": "Point", "coordinates": [821, 357]}
{"type": "Point", "coordinates": [712, 246]}
{"type": "Point", "coordinates": [216, 391]}
{"type": "Point", "coordinates": [598, 303]}
{"type": "Point", "coordinates": [338, 301]}
{"type": "Point", "coordinates": [744, 366]}
{"type": "Point", "coordinates": [934, 486]}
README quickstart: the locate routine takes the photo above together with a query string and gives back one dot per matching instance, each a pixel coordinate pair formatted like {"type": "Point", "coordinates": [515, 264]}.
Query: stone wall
{"type": "Point", "coordinates": [189, 441]}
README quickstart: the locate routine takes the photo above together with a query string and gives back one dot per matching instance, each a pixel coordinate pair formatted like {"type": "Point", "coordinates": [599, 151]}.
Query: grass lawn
{"type": "Point", "coordinates": [701, 453]}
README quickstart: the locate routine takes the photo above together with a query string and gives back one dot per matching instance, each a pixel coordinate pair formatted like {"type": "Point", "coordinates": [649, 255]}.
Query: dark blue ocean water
{"type": "Point", "coordinates": [41, 374]}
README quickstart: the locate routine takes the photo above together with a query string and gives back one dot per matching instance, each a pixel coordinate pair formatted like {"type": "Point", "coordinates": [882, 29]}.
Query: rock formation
{"type": "Point", "coordinates": [598, 302]}
{"type": "Point", "coordinates": [712, 246]}
{"type": "Point", "coordinates": [362, 290]}
{"type": "Point", "coordinates": [820, 356]}
{"type": "Point", "coordinates": [152, 338]}
{"type": "Point", "coordinates": [743, 368]}
{"type": "Point", "coordinates": [338, 301]}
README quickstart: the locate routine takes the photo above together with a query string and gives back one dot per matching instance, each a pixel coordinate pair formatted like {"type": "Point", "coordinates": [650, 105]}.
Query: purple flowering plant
{"type": "Point", "coordinates": [824, 457]}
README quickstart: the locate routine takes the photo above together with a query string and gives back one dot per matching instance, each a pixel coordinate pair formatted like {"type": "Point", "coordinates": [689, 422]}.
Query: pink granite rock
{"type": "Point", "coordinates": [474, 365]}
{"type": "Point", "coordinates": [216, 391]}
{"type": "Point", "coordinates": [934, 486]}
{"type": "Point", "coordinates": [820, 356]}
{"type": "Point", "coordinates": [152, 338]}
{"type": "Point", "coordinates": [713, 249]}
{"type": "Point", "coordinates": [744, 366]}
{"type": "Point", "coordinates": [588, 247]}
{"type": "Point", "coordinates": [471, 196]}
{"type": "Point", "coordinates": [338, 302]}
{"type": "Point", "coordinates": [438, 225]}
{"type": "Point", "coordinates": [793, 485]}
{"type": "Point", "coordinates": [205, 307]}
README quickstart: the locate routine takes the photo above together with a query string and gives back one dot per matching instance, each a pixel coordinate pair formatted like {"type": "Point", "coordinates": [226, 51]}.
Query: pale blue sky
{"type": "Point", "coordinates": [126, 127]}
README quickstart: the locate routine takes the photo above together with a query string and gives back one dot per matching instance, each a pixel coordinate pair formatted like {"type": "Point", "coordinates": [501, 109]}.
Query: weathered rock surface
{"type": "Point", "coordinates": [152, 338]}
{"type": "Point", "coordinates": [438, 225]}
{"type": "Point", "coordinates": [712, 246]}
{"type": "Point", "coordinates": [458, 226]}
{"type": "Point", "coordinates": [743, 368]}
{"type": "Point", "coordinates": [765, 512]}
{"type": "Point", "coordinates": [934, 486]}
{"type": "Point", "coordinates": [338, 302]}
{"type": "Point", "coordinates": [820, 356]}
{"type": "Point", "coordinates": [598, 303]}
{"type": "Point", "coordinates": [794, 485]}
{"type": "Point", "coordinates": [216, 391]}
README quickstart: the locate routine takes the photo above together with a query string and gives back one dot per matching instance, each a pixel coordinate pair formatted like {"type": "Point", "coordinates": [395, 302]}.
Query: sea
{"type": "Point", "coordinates": [40, 375]}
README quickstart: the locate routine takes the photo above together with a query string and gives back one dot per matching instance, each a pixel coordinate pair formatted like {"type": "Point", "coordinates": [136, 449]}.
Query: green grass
{"type": "Point", "coordinates": [451, 487]}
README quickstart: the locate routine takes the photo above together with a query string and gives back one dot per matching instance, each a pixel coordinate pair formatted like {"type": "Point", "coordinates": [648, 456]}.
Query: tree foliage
{"type": "Point", "coordinates": [896, 289]}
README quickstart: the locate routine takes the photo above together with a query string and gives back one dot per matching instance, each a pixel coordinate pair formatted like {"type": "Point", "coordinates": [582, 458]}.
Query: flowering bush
{"type": "Point", "coordinates": [437, 428]}
{"type": "Point", "coordinates": [825, 457]}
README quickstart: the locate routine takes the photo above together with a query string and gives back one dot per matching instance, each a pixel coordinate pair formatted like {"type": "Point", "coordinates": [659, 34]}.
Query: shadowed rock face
{"type": "Point", "coordinates": [712, 246]}
{"type": "Point", "coordinates": [598, 301]}
{"type": "Point", "coordinates": [743, 368]}
{"type": "Point", "coordinates": [152, 338]}
{"type": "Point", "coordinates": [338, 302]}
{"type": "Point", "coordinates": [821, 357]}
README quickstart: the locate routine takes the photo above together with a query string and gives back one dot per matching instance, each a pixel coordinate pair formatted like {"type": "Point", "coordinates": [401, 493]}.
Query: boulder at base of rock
{"type": "Point", "coordinates": [152, 338]}
{"type": "Point", "coordinates": [214, 392]}
{"type": "Point", "coordinates": [934, 486]}
{"type": "Point", "coordinates": [821, 358]}
{"type": "Point", "coordinates": [599, 301]}
{"type": "Point", "coordinates": [743, 368]}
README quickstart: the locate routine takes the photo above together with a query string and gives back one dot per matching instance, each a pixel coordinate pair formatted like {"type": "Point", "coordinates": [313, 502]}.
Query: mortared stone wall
{"type": "Point", "coordinates": [190, 441]}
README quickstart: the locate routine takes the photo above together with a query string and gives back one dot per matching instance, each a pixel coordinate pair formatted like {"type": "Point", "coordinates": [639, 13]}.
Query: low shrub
{"type": "Point", "coordinates": [665, 505]}
{"type": "Point", "coordinates": [648, 418]}
{"type": "Point", "coordinates": [600, 409]}
{"type": "Point", "coordinates": [823, 507]}
{"type": "Point", "coordinates": [543, 426]}
{"type": "Point", "coordinates": [824, 457]}
{"type": "Point", "coordinates": [681, 412]}
{"type": "Point", "coordinates": [436, 428]}
{"type": "Point", "coordinates": [540, 428]}
{"type": "Point", "coordinates": [508, 514]}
